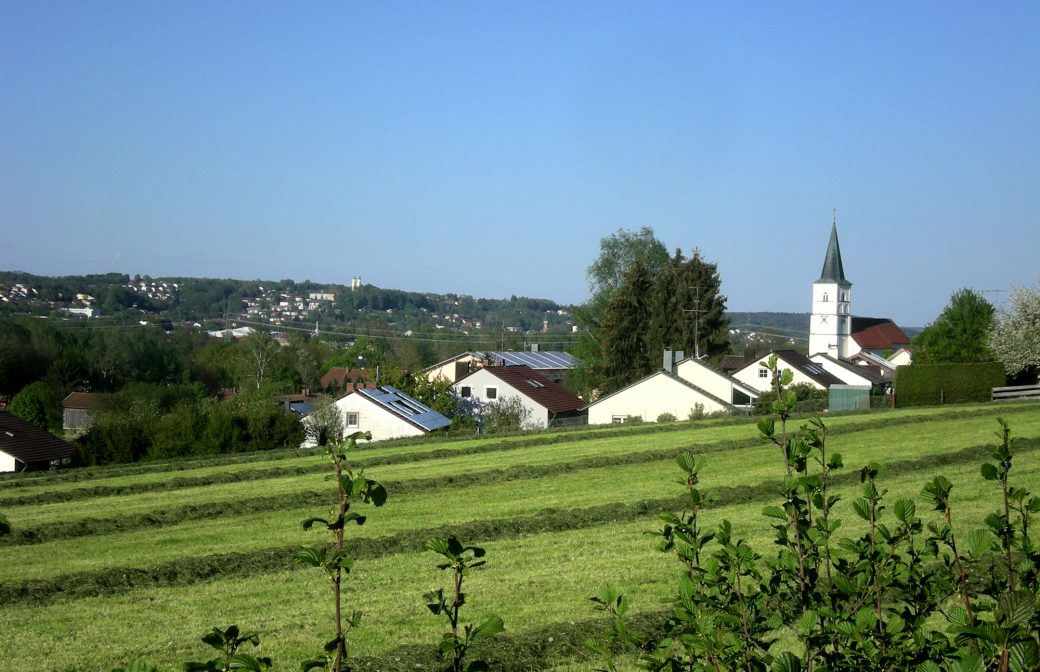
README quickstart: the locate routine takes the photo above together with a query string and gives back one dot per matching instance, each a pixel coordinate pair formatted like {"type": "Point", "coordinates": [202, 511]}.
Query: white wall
{"type": "Point", "coordinates": [707, 379]}
{"type": "Point", "coordinates": [447, 371]}
{"type": "Point", "coordinates": [7, 463]}
{"type": "Point", "coordinates": [650, 398]}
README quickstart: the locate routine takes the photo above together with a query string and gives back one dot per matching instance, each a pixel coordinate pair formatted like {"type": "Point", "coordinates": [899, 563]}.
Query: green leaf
{"type": "Point", "coordinates": [437, 545]}
{"type": "Point", "coordinates": [243, 661]}
{"type": "Point", "coordinates": [311, 556]}
{"type": "Point", "coordinates": [989, 472]}
{"type": "Point", "coordinates": [492, 626]}
{"type": "Point", "coordinates": [687, 462]}
{"type": "Point", "coordinates": [309, 523]}
{"type": "Point", "coordinates": [978, 542]}
{"type": "Point", "coordinates": [971, 663]}
{"type": "Point", "coordinates": [786, 662]}
{"type": "Point", "coordinates": [376, 493]}
{"type": "Point", "coordinates": [775, 512]}
{"type": "Point", "coordinates": [314, 664]}
{"type": "Point", "coordinates": [905, 509]}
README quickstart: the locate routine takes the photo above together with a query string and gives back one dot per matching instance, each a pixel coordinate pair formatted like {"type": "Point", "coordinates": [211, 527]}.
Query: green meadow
{"type": "Point", "coordinates": [110, 565]}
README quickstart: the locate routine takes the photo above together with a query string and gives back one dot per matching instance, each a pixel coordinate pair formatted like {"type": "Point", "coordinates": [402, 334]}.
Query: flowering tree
{"type": "Point", "coordinates": [1015, 334]}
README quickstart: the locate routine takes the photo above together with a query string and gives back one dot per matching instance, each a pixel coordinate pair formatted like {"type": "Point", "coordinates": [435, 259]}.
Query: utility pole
{"type": "Point", "coordinates": [696, 322]}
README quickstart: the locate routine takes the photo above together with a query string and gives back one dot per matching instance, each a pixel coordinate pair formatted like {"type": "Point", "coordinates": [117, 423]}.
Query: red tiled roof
{"type": "Point", "coordinates": [28, 443]}
{"type": "Point", "coordinates": [878, 334]}
{"type": "Point", "coordinates": [537, 387]}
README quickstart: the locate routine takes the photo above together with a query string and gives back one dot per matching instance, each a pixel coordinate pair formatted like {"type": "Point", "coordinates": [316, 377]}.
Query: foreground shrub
{"type": "Point", "coordinates": [894, 598]}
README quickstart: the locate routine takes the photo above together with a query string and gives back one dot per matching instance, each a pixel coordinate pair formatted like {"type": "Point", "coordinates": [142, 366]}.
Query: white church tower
{"type": "Point", "coordinates": [830, 327]}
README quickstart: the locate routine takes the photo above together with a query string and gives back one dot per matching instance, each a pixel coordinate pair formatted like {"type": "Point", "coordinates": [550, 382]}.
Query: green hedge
{"type": "Point", "coordinates": [934, 384]}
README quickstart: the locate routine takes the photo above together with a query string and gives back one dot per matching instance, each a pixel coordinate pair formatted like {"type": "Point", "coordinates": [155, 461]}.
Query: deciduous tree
{"type": "Point", "coordinates": [1015, 333]}
{"type": "Point", "coordinates": [959, 333]}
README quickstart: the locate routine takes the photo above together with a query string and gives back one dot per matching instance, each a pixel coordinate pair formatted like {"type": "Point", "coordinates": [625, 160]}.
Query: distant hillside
{"type": "Point", "coordinates": [794, 325]}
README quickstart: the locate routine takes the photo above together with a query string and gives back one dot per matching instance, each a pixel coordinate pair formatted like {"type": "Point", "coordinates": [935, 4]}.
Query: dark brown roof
{"type": "Point", "coordinates": [876, 333]}
{"type": "Point", "coordinates": [28, 443]}
{"type": "Point", "coordinates": [537, 387]}
{"type": "Point", "coordinates": [91, 401]}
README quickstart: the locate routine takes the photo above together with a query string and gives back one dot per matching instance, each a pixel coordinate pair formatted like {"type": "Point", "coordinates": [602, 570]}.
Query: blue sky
{"type": "Point", "coordinates": [486, 148]}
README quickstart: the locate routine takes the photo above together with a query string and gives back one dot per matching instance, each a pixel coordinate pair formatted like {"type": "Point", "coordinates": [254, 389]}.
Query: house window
{"type": "Point", "coordinates": [763, 373]}
{"type": "Point", "coordinates": [491, 392]}
{"type": "Point", "coordinates": [465, 391]}
{"type": "Point", "coordinates": [825, 296]}
{"type": "Point", "coordinates": [352, 419]}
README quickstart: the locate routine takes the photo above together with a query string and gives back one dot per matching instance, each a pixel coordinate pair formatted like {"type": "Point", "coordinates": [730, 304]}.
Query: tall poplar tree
{"type": "Point", "coordinates": [623, 330]}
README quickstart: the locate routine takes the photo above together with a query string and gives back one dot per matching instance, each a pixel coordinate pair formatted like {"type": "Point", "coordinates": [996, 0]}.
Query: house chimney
{"type": "Point", "coordinates": [666, 364]}
{"type": "Point", "coordinates": [348, 388]}
{"type": "Point", "coordinates": [679, 356]}
{"type": "Point", "coordinates": [534, 347]}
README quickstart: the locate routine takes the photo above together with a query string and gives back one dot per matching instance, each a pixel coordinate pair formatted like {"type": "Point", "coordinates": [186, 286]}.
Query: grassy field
{"type": "Point", "coordinates": [139, 561]}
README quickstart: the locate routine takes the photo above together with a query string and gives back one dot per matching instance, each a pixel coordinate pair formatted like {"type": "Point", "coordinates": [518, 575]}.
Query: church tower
{"type": "Point", "coordinates": [830, 326]}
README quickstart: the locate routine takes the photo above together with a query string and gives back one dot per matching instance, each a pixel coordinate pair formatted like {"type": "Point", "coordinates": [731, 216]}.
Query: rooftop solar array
{"type": "Point", "coordinates": [535, 360]}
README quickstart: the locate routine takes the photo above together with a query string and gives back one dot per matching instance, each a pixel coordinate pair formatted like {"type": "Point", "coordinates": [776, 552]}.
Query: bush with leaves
{"type": "Point", "coordinates": [351, 487]}
{"type": "Point", "coordinates": [454, 644]}
{"type": "Point", "coordinates": [895, 597]}
{"type": "Point", "coordinates": [228, 642]}
{"type": "Point", "coordinates": [505, 414]}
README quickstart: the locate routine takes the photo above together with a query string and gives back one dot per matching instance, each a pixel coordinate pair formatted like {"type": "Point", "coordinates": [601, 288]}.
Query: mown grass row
{"type": "Point", "coordinates": [40, 523]}
{"type": "Point", "coordinates": [439, 445]}
{"type": "Point", "coordinates": [122, 480]}
{"type": "Point", "coordinates": [192, 569]}
{"type": "Point", "coordinates": [539, 583]}
{"type": "Point", "coordinates": [419, 509]}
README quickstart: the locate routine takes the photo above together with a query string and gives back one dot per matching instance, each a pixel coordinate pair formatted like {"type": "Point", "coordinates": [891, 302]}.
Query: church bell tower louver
{"type": "Point", "coordinates": [830, 326]}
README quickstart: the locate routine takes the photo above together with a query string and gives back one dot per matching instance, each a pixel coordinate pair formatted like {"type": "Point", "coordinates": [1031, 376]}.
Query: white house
{"type": "Point", "coordinates": [690, 386]}
{"type": "Point", "coordinates": [549, 403]}
{"type": "Point", "coordinates": [756, 374]}
{"type": "Point", "coordinates": [387, 413]}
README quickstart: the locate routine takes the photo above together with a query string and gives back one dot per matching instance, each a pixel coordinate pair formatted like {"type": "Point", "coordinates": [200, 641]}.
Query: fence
{"type": "Point", "coordinates": [1015, 392]}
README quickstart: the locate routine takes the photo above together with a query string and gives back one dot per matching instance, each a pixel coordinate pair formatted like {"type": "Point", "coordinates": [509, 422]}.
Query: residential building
{"type": "Point", "coordinates": [551, 364]}
{"type": "Point", "coordinates": [26, 447]}
{"type": "Point", "coordinates": [387, 413]}
{"type": "Point", "coordinates": [684, 387]}
{"type": "Point", "coordinates": [757, 375]}
{"type": "Point", "coordinates": [548, 403]}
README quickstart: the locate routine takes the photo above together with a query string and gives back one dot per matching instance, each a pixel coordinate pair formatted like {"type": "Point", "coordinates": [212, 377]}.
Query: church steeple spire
{"type": "Point", "coordinates": [830, 326]}
{"type": "Point", "coordinates": [833, 271]}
